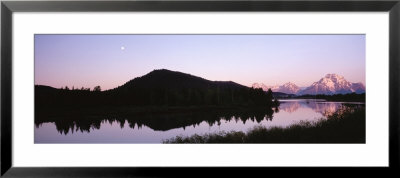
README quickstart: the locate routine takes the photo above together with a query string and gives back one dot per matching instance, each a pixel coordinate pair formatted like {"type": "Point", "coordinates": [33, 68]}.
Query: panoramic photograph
{"type": "Point", "coordinates": [199, 88]}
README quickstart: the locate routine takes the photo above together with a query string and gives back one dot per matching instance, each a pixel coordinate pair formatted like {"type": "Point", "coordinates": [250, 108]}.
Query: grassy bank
{"type": "Point", "coordinates": [344, 126]}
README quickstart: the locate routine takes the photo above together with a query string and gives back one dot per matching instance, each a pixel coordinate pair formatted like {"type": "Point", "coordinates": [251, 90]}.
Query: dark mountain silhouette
{"type": "Point", "coordinates": [158, 88]}
{"type": "Point", "coordinates": [164, 78]}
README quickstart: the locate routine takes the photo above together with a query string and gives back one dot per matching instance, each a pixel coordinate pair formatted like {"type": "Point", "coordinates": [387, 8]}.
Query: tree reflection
{"type": "Point", "coordinates": [81, 121]}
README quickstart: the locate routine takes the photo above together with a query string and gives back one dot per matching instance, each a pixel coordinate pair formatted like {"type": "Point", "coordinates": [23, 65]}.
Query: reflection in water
{"type": "Point", "coordinates": [158, 122]}
{"type": "Point", "coordinates": [153, 128]}
{"type": "Point", "coordinates": [320, 106]}
{"type": "Point", "coordinates": [290, 106]}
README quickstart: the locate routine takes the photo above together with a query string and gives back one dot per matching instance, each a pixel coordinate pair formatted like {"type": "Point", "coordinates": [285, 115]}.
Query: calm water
{"type": "Point", "coordinates": [156, 129]}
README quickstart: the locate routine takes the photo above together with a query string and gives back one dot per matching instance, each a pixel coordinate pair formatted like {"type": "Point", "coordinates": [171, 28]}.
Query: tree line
{"type": "Point", "coordinates": [350, 97]}
{"type": "Point", "coordinates": [155, 96]}
{"type": "Point", "coordinates": [96, 88]}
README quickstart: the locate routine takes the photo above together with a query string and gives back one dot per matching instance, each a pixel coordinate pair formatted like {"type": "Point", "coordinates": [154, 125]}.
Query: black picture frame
{"type": "Point", "coordinates": [8, 7]}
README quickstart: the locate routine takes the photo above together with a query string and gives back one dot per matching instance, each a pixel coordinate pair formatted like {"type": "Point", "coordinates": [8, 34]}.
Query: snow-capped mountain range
{"type": "Point", "coordinates": [330, 84]}
{"type": "Point", "coordinates": [288, 88]}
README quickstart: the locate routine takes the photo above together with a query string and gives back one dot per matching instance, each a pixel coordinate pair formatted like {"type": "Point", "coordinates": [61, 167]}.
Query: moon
{"type": "Point", "coordinates": [122, 48]}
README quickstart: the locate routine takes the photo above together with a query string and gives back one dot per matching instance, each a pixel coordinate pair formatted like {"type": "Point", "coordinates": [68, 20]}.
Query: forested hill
{"type": "Point", "coordinates": [173, 80]}
{"type": "Point", "coordinates": [158, 88]}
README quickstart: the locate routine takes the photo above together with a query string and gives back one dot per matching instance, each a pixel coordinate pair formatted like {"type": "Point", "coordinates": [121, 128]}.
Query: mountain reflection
{"type": "Point", "coordinates": [157, 122]}
{"type": "Point", "coordinates": [290, 107]}
{"type": "Point", "coordinates": [322, 107]}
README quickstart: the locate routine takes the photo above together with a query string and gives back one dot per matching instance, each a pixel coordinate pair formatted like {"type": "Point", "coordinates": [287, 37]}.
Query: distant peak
{"type": "Point", "coordinates": [289, 83]}
{"type": "Point", "coordinates": [333, 76]}
{"type": "Point", "coordinates": [333, 84]}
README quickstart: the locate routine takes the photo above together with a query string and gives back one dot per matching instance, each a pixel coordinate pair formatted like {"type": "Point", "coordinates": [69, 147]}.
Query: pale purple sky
{"type": "Point", "coordinates": [111, 60]}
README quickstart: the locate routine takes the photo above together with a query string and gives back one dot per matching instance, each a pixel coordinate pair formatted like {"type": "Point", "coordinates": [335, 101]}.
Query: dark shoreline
{"type": "Point", "coordinates": [350, 97]}
{"type": "Point", "coordinates": [283, 100]}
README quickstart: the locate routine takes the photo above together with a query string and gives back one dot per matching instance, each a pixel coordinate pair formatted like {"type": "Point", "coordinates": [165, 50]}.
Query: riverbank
{"type": "Point", "coordinates": [345, 126]}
